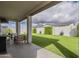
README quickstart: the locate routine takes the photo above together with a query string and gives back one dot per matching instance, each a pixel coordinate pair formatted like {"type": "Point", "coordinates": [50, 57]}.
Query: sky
{"type": "Point", "coordinates": [62, 13]}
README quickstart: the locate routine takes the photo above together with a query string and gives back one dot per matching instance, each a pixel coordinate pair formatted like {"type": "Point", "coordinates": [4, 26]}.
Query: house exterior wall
{"type": "Point", "coordinates": [70, 30]}
{"type": "Point", "coordinates": [67, 30]}
{"type": "Point", "coordinates": [40, 30]}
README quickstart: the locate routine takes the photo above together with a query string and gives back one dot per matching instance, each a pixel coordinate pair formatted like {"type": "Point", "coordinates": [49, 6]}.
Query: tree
{"type": "Point", "coordinates": [34, 30]}
{"type": "Point", "coordinates": [48, 30]}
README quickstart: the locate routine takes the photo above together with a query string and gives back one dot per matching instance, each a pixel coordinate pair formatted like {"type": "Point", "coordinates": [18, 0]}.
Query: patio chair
{"type": "Point", "coordinates": [18, 39]}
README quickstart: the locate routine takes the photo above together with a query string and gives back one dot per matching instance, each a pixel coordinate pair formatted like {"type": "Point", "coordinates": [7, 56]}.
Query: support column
{"type": "Point", "coordinates": [17, 27]}
{"type": "Point", "coordinates": [29, 29]}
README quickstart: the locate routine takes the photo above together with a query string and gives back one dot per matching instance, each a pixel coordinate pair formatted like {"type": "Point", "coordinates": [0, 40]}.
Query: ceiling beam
{"type": "Point", "coordinates": [39, 8]}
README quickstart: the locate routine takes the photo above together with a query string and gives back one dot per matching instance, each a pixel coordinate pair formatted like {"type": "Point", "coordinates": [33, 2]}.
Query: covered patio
{"type": "Point", "coordinates": [20, 10]}
{"type": "Point", "coordinates": [28, 51]}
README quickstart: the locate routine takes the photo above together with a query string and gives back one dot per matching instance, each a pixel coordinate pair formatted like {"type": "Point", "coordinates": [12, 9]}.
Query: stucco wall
{"type": "Point", "coordinates": [40, 30]}
{"type": "Point", "coordinates": [67, 30]}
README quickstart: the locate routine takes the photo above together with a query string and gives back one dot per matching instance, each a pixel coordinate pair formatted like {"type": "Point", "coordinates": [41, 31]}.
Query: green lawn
{"type": "Point", "coordinates": [61, 45]}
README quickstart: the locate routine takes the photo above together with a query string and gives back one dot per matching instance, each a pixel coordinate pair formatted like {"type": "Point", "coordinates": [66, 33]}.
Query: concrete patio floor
{"type": "Point", "coordinates": [28, 51]}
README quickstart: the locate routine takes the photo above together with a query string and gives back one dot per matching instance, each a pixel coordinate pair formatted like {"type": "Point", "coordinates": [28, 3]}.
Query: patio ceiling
{"type": "Point", "coordinates": [21, 9]}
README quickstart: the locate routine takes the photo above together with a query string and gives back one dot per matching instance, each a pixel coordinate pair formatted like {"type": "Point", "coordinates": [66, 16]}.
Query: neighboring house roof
{"type": "Point", "coordinates": [41, 25]}
{"type": "Point", "coordinates": [38, 25]}
{"type": "Point", "coordinates": [53, 24]}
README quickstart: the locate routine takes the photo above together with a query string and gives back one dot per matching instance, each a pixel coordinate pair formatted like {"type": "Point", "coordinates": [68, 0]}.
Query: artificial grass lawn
{"type": "Point", "coordinates": [61, 45]}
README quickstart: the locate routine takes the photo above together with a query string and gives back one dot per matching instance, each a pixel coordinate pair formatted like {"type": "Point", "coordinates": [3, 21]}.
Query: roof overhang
{"type": "Point", "coordinates": [13, 10]}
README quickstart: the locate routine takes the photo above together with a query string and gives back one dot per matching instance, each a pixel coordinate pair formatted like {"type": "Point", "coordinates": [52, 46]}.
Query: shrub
{"type": "Point", "coordinates": [34, 30]}
{"type": "Point", "coordinates": [48, 30]}
{"type": "Point", "coordinates": [62, 33]}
